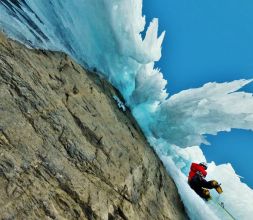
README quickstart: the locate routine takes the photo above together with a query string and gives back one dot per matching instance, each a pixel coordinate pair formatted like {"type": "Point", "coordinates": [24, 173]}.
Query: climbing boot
{"type": "Point", "coordinates": [217, 186]}
{"type": "Point", "coordinates": [206, 194]}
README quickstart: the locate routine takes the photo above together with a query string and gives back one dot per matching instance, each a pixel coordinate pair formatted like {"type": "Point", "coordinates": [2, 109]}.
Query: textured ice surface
{"type": "Point", "coordinates": [106, 35]}
{"type": "Point", "coordinates": [215, 107]}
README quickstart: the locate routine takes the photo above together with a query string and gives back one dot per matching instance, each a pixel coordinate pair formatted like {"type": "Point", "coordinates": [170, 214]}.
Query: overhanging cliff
{"type": "Point", "coordinates": [67, 151]}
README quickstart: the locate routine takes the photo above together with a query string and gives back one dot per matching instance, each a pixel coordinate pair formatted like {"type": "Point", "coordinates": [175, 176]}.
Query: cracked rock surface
{"type": "Point", "coordinates": [67, 151]}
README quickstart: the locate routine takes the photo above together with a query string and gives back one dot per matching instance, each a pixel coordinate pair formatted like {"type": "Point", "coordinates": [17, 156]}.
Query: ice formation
{"type": "Point", "coordinates": [107, 35]}
{"type": "Point", "coordinates": [215, 107]}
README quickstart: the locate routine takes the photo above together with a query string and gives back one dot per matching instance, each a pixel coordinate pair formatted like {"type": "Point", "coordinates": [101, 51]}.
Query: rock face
{"type": "Point", "coordinates": [67, 151]}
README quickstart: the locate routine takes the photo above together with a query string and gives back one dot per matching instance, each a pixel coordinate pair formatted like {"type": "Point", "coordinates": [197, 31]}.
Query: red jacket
{"type": "Point", "coordinates": [196, 168]}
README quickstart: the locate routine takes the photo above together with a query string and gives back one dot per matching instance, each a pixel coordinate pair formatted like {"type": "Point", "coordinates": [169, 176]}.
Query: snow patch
{"type": "Point", "coordinates": [119, 103]}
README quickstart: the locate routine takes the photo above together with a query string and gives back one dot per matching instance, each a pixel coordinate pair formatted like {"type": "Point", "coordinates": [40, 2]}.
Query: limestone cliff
{"type": "Point", "coordinates": [67, 151]}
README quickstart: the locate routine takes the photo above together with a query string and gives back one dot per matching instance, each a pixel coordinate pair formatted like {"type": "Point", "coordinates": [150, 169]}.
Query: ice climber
{"type": "Point", "coordinates": [197, 182]}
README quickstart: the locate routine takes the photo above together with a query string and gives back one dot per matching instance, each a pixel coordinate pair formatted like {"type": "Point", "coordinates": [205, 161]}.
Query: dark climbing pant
{"type": "Point", "coordinates": [198, 184]}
